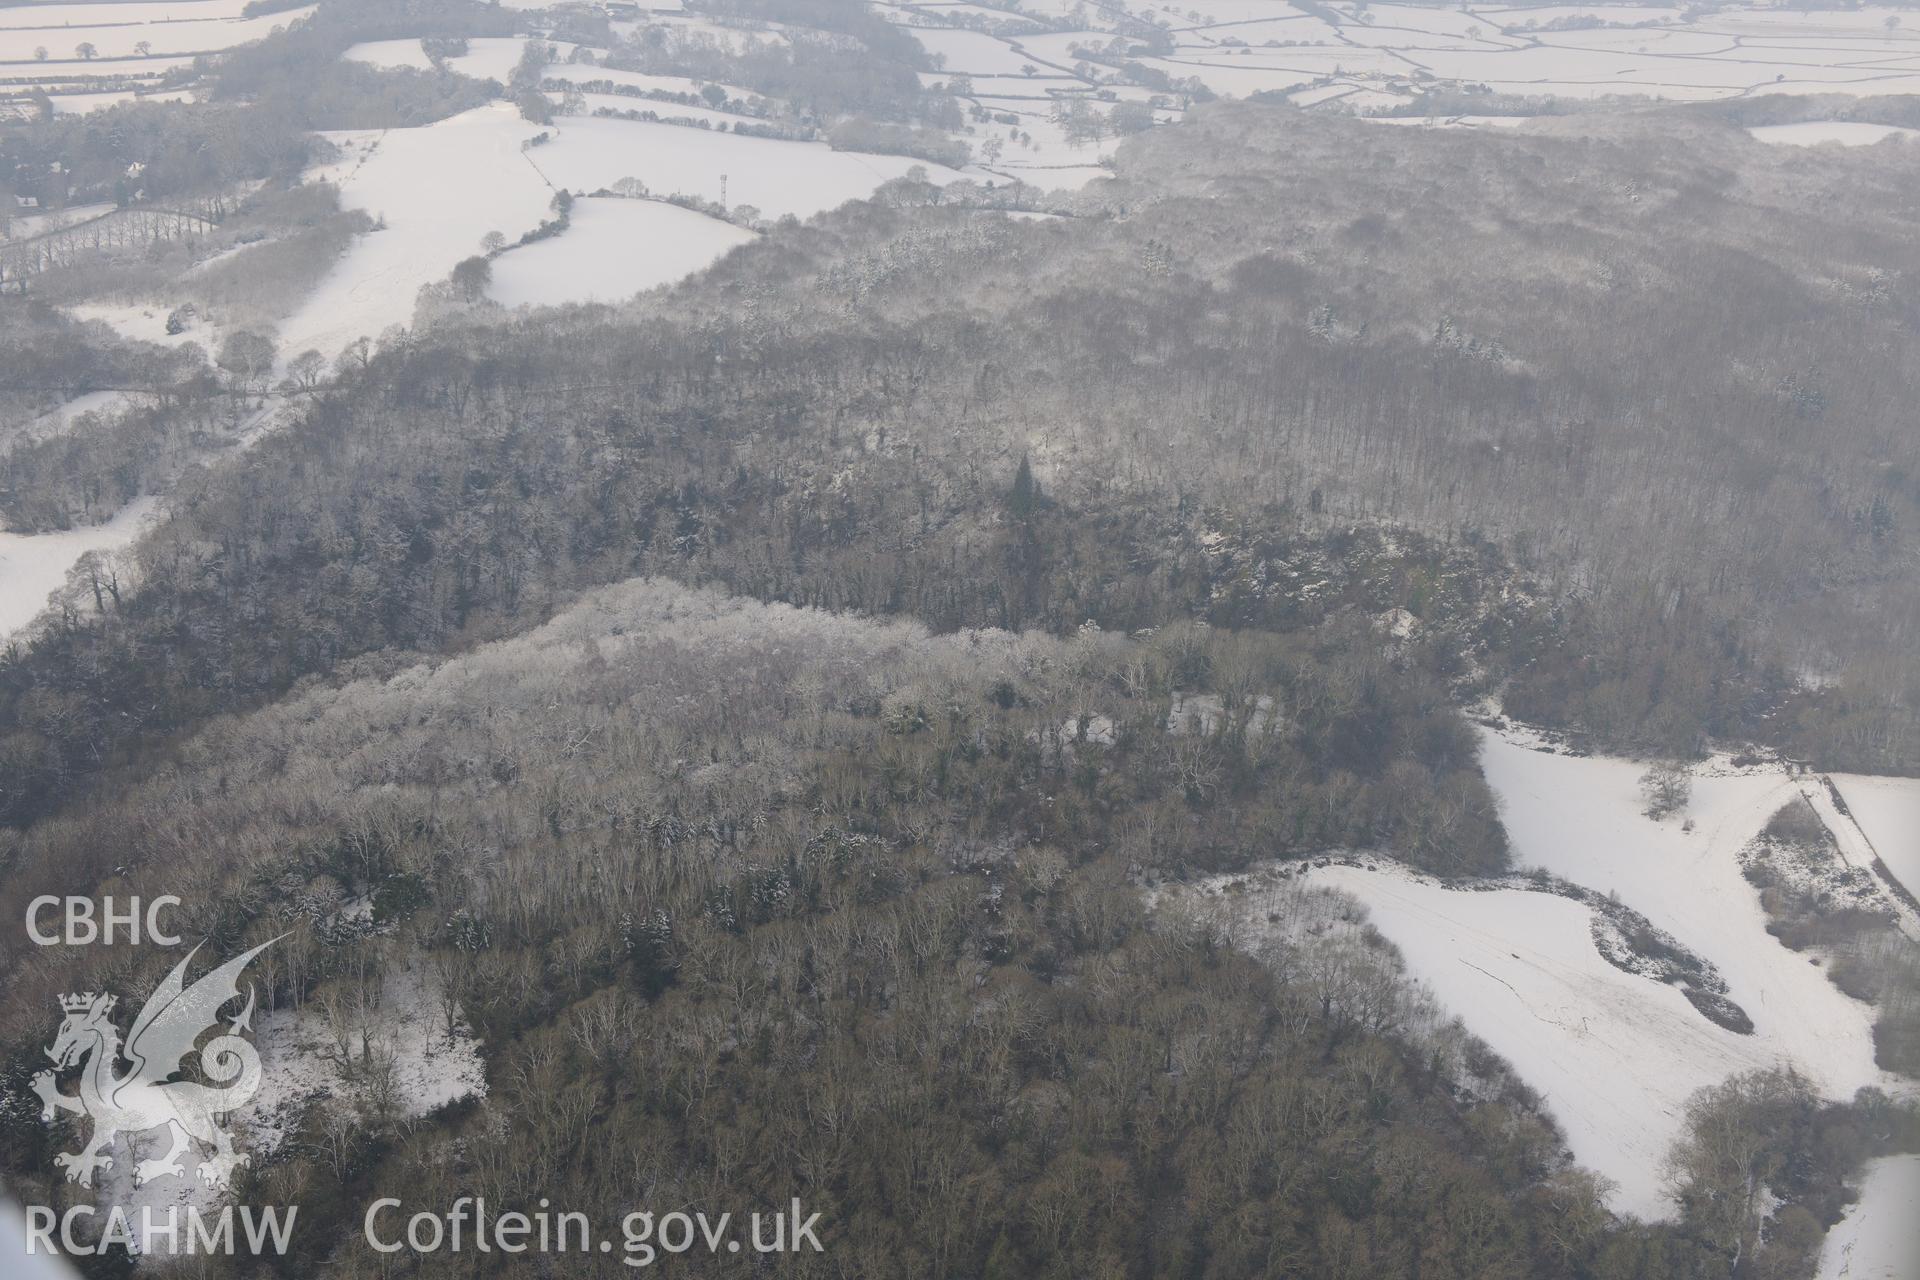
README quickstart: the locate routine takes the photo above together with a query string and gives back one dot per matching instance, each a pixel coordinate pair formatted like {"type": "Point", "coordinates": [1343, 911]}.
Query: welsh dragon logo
{"type": "Point", "coordinates": [145, 1097]}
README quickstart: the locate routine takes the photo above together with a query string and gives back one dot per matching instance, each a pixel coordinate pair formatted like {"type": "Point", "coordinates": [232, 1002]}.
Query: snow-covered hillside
{"type": "Point", "coordinates": [613, 250]}
{"type": "Point", "coordinates": [438, 190]}
{"type": "Point", "coordinates": [33, 566]}
{"type": "Point", "coordinates": [1888, 811]}
{"type": "Point", "coordinates": [1374, 57]}
{"type": "Point", "coordinates": [1877, 1239]}
{"type": "Point", "coordinates": [1043, 85]}
{"type": "Point", "coordinates": [1617, 1054]}
{"type": "Point", "coordinates": [1580, 817]}
{"type": "Point", "coordinates": [1614, 1055]}
{"type": "Point", "coordinates": [1840, 132]}
{"type": "Point", "coordinates": [97, 53]}
{"type": "Point", "coordinates": [775, 176]}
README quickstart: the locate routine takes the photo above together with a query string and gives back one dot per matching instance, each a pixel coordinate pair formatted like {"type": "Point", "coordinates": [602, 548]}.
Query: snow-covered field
{"type": "Point", "coordinates": [34, 224]}
{"type": "Point", "coordinates": [486, 58]}
{"type": "Point", "coordinates": [440, 189]}
{"type": "Point", "coordinates": [443, 187]}
{"type": "Point", "coordinates": [56, 419]}
{"type": "Point", "coordinates": [75, 76]}
{"type": "Point", "coordinates": [91, 56]}
{"type": "Point", "coordinates": [1847, 133]}
{"type": "Point", "coordinates": [1240, 47]}
{"type": "Point", "coordinates": [80, 104]}
{"type": "Point", "coordinates": [1616, 1055]}
{"type": "Point", "coordinates": [47, 16]}
{"type": "Point", "coordinates": [972, 52]}
{"type": "Point", "coordinates": [585, 73]}
{"type": "Point", "coordinates": [1888, 811]}
{"type": "Point", "coordinates": [118, 31]}
{"type": "Point", "coordinates": [1452, 122]}
{"type": "Point", "coordinates": [33, 566]}
{"type": "Point", "coordinates": [1367, 59]}
{"type": "Point", "coordinates": [613, 250]}
{"type": "Point", "coordinates": [1049, 95]}
{"type": "Point", "coordinates": [1580, 818]}
{"type": "Point", "coordinates": [146, 322]}
{"type": "Point", "coordinates": [1877, 1240]}
{"type": "Point", "coordinates": [591, 104]}
{"type": "Point", "coordinates": [391, 55]}
{"type": "Point", "coordinates": [777, 177]}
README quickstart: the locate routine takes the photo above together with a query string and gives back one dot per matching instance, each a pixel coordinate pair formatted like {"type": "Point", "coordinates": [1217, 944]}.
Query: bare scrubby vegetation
{"type": "Point", "coordinates": [249, 271]}
{"type": "Point", "coordinates": [1815, 902]}
{"type": "Point", "coordinates": [1763, 1168]}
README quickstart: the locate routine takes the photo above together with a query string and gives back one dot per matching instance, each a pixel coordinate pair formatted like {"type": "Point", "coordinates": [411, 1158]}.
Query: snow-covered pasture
{"type": "Point", "coordinates": [80, 104]}
{"type": "Point", "coordinates": [1452, 122]}
{"type": "Point", "coordinates": [1240, 47]}
{"type": "Point", "coordinates": [391, 55]}
{"type": "Point", "coordinates": [117, 30]}
{"type": "Point", "coordinates": [1581, 818]}
{"type": "Point", "coordinates": [34, 566]}
{"type": "Point", "coordinates": [703, 32]}
{"type": "Point", "coordinates": [467, 182]}
{"type": "Point", "coordinates": [1035, 91]}
{"type": "Point", "coordinates": [1614, 1055]}
{"type": "Point", "coordinates": [147, 322]}
{"type": "Point", "coordinates": [972, 52]}
{"type": "Point", "coordinates": [1525, 17]}
{"type": "Point", "coordinates": [1043, 145]}
{"type": "Point", "coordinates": [775, 176]}
{"type": "Point", "coordinates": [62, 16]}
{"type": "Point", "coordinates": [486, 58]}
{"type": "Point", "coordinates": [495, 59]}
{"type": "Point", "coordinates": [440, 190]}
{"type": "Point", "coordinates": [39, 223]}
{"type": "Point", "coordinates": [85, 76]}
{"type": "Point", "coordinates": [1846, 133]}
{"type": "Point", "coordinates": [1876, 1239]}
{"type": "Point", "coordinates": [1346, 58]}
{"type": "Point", "coordinates": [1888, 811]}
{"type": "Point", "coordinates": [613, 250]}
{"type": "Point", "coordinates": [591, 104]}
{"type": "Point", "coordinates": [588, 73]}
{"type": "Point", "coordinates": [1235, 77]}
{"type": "Point", "coordinates": [53, 420]}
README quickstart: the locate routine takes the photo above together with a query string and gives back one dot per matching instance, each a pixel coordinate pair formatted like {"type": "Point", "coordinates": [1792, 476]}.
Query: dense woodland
{"type": "Point", "coordinates": [751, 902]}
{"type": "Point", "coordinates": [832, 417]}
{"type": "Point", "coordinates": [763, 704]}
